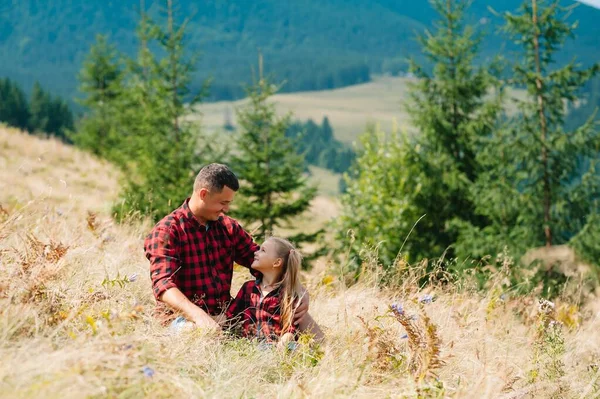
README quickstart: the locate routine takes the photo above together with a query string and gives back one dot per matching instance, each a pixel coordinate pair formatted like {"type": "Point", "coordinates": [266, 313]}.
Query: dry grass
{"type": "Point", "coordinates": [74, 322]}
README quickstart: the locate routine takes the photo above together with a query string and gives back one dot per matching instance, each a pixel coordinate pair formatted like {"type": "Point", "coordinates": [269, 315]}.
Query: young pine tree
{"type": "Point", "coordinates": [39, 107]}
{"type": "Point", "coordinates": [378, 209]}
{"type": "Point", "coordinates": [48, 115]}
{"type": "Point", "coordinates": [542, 182]}
{"type": "Point", "coordinates": [100, 81]}
{"type": "Point", "coordinates": [274, 189]}
{"type": "Point", "coordinates": [14, 109]}
{"type": "Point", "coordinates": [451, 108]}
{"type": "Point", "coordinates": [162, 149]}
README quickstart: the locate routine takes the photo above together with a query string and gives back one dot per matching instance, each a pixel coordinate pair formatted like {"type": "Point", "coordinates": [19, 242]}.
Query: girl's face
{"type": "Point", "coordinates": [266, 257]}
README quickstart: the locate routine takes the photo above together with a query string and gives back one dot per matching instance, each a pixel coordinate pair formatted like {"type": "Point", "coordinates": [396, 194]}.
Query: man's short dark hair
{"type": "Point", "coordinates": [214, 177]}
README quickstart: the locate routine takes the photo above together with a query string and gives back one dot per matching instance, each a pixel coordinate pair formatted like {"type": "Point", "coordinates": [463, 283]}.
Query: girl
{"type": "Point", "coordinates": [264, 308]}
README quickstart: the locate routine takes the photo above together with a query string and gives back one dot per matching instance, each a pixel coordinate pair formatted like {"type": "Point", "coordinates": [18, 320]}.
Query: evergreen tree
{"type": "Point", "coordinates": [449, 109]}
{"type": "Point", "coordinates": [378, 204]}
{"type": "Point", "coordinates": [100, 81]}
{"type": "Point", "coordinates": [14, 109]}
{"type": "Point", "coordinates": [39, 106]}
{"type": "Point", "coordinates": [160, 147]}
{"type": "Point", "coordinates": [451, 112]}
{"type": "Point", "coordinates": [542, 182]}
{"type": "Point", "coordinates": [274, 189]}
{"type": "Point", "coordinates": [49, 115]}
{"type": "Point", "coordinates": [418, 188]}
{"type": "Point", "coordinates": [60, 119]}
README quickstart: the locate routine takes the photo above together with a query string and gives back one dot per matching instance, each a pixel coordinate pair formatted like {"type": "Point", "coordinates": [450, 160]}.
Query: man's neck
{"type": "Point", "coordinates": [195, 208]}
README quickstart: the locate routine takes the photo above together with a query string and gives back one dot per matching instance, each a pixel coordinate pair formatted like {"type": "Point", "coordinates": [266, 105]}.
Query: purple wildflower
{"type": "Point", "coordinates": [397, 308]}
{"type": "Point", "coordinates": [404, 336]}
{"type": "Point", "coordinates": [132, 277]}
{"type": "Point", "coordinates": [148, 372]}
{"type": "Point", "coordinates": [427, 298]}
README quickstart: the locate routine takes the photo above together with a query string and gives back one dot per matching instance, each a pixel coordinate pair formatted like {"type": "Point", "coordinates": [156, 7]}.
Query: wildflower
{"type": "Point", "coordinates": [132, 277]}
{"type": "Point", "coordinates": [555, 323]}
{"type": "Point", "coordinates": [503, 297]}
{"type": "Point", "coordinates": [545, 306]}
{"type": "Point", "coordinates": [405, 336]}
{"type": "Point", "coordinates": [427, 298]}
{"type": "Point", "coordinates": [148, 372]}
{"type": "Point", "coordinates": [397, 308]}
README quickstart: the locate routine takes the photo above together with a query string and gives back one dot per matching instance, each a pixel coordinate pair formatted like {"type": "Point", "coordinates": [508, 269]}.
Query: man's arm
{"type": "Point", "coordinates": [178, 301]}
{"type": "Point", "coordinates": [244, 246]}
{"type": "Point", "coordinates": [308, 325]}
{"type": "Point", "coordinates": [162, 250]}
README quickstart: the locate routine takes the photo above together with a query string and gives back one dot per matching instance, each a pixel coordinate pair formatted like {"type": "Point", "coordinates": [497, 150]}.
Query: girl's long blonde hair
{"type": "Point", "coordinates": [291, 290]}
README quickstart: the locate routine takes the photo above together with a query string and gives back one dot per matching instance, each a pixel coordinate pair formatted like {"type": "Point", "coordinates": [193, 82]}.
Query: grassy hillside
{"type": "Point", "coordinates": [71, 325]}
{"type": "Point", "coordinates": [349, 109]}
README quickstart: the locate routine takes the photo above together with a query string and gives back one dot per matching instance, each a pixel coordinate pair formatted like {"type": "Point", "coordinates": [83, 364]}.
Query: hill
{"type": "Point", "coordinates": [76, 315]}
{"type": "Point", "coordinates": [310, 44]}
{"type": "Point", "coordinates": [349, 109]}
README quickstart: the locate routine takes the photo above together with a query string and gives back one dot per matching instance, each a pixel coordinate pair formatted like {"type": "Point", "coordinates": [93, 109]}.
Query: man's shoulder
{"type": "Point", "coordinates": [170, 222]}
{"type": "Point", "coordinates": [230, 224]}
{"type": "Point", "coordinates": [248, 286]}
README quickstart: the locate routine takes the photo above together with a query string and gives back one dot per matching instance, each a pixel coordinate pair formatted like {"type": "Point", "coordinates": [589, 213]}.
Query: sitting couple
{"type": "Point", "coordinates": [192, 252]}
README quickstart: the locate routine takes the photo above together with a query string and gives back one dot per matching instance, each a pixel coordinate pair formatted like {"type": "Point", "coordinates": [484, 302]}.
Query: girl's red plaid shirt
{"type": "Point", "coordinates": [253, 315]}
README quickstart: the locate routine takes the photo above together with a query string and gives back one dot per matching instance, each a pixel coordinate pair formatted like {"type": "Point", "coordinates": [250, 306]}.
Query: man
{"type": "Point", "coordinates": [193, 249]}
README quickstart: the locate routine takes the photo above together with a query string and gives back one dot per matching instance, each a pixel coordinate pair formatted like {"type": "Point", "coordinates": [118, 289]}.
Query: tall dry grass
{"type": "Point", "coordinates": [75, 307]}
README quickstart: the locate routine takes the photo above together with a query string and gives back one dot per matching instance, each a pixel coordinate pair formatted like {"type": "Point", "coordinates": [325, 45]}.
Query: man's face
{"type": "Point", "coordinates": [213, 203]}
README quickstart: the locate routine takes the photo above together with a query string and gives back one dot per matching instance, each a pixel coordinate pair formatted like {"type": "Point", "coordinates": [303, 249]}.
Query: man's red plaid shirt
{"type": "Point", "coordinates": [197, 259]}
{"type": "Point", "coordinates": [255, 316]}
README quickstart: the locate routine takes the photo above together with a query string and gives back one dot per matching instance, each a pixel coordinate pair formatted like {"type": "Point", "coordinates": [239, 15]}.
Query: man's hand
{"type": "Point", "coordinates": [219, 319]}
{"type": "Point", "coordinates": [206, 321]}
{"type": "Point", "coordinates": [176, 300]}
{"type": "Point", "coordinates": [302, 308]}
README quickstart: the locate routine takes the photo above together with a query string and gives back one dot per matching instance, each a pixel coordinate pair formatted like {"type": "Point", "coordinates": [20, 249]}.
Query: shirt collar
{"type": "Point", "coordinates": [187, 212]}
{"type": "Point", "coordinates": [190, 215]}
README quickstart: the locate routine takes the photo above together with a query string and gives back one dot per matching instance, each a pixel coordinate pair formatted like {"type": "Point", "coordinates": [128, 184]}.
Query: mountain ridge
{"type": "Point", "coordinates": [310, 44]}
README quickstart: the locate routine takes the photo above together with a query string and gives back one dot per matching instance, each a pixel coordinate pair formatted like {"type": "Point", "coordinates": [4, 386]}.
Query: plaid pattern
{"type": "Point", "coordinates": [197, 259]}
{"type": "Point", "coordinates": [254, 318]}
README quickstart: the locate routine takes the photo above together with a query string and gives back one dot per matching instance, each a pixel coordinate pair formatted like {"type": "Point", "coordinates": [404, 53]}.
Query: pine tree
{"type": "Point", "coordinates": [378, 204]}
{"type": "Point", "coordinates": [60, 119]}
{"type": "Point", "coordinates": [14, 109]}
{"type": "Point", "coordinates": [49, 115]}
{"type": "Point", "coordinates": [542, 182]}
{"type": "Point", "coordinates": [273, 189]}
{"type": "Point", "coordinates": [39, 106]}
{"type": "Point", "coordinates": [433, 176]}
{"type": "Point", "coordinates": [449, 108]}
{"type": "Point", "coordinates": [161, 150]}
{"type": "Point", "coordinates": [100, 81]}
